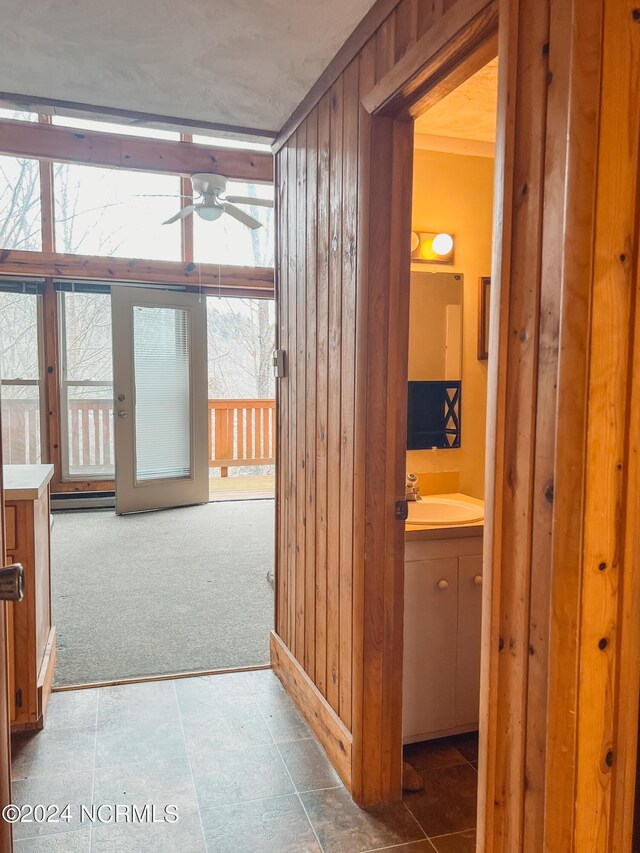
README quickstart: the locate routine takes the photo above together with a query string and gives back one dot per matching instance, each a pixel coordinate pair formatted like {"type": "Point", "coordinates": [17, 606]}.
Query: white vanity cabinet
{"type": "Point", "coordinates": [442, 620]}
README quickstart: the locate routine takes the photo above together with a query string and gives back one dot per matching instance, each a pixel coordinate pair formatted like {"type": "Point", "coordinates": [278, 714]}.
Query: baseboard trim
{"type": "Point", "coordinates": [326, 725]}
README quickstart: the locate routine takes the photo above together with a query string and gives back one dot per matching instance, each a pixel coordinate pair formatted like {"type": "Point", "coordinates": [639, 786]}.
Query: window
{"type": "Point", "coordinates": [240, 341]}
{"type": "Point", "coordinates": [86, 393]}
{"type": "Point", "coordinates": [113, 127]}
{"type": "Point", "coordinates": [226, 142]}
{"type": "Point", "coordinates": [115, 213]}
{"type": "Point", "coordinates": [227, 241]}
{"type": "Point", "coordinates": [18, 115]}
{"type": "Point", "coordinates": [20, 318]}
{"type": "Point", "coordinates": [20, 218]}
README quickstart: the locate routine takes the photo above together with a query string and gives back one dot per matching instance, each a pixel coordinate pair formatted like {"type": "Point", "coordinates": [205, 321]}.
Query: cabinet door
{"type": "Point", "coordinates": [430, 629]}
{"type": "Point", "coordinates": [469, 633]}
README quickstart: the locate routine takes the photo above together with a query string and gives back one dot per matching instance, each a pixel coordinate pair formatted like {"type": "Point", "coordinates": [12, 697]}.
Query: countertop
{"type": "Point", "coordinates": [418, 532]}
{"type": "Point", "coordinates": [25, 482]}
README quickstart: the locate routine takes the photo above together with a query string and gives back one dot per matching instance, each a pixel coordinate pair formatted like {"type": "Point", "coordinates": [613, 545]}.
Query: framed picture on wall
{"type": "Point", "coordinates": [484, 293]}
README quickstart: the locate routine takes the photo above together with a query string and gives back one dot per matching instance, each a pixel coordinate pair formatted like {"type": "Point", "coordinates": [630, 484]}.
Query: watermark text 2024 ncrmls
{"type": "Point", "coordinates": [128, 813]}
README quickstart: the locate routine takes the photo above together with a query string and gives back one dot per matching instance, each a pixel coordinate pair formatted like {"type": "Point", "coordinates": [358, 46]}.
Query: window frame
{"type": "Point", "coordinates": [66, 476]}
{"type": "Point", "coordinates": [39, 383]}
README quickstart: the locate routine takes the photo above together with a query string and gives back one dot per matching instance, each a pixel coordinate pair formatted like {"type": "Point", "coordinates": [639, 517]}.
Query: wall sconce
{"type": "Point", "coordinates": [429, 247]}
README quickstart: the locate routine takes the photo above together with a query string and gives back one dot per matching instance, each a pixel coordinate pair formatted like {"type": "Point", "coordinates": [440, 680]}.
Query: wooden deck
{"type": "Point", "coordinates": [241, 488]}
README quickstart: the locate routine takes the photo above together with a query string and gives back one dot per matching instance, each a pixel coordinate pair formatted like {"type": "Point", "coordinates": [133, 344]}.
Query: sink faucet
{"type": "Point", "coordinates": [411, 490]}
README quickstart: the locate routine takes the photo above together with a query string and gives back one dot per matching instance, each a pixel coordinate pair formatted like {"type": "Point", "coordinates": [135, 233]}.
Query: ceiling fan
{"type": "Point", "coordinates": [211, 192]}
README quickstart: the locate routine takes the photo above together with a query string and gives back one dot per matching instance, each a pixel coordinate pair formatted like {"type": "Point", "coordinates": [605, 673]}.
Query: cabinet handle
{"type": "Point", "coordinates": [478, 580]}
{"type": "Point", "coordinates": [443, 584]}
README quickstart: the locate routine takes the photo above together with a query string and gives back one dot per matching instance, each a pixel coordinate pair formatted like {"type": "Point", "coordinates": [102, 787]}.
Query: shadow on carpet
{"type": "Point", "coordinates": [165, 592]}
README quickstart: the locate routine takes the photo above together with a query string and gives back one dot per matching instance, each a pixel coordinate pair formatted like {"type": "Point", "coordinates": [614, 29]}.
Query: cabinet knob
{"type": "Point", "coordinates": [443, 584]}
{"type": "Point", "coordinates": [478, 580]}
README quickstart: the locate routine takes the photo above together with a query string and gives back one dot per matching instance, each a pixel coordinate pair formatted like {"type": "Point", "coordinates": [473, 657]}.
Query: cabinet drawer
{"type": "Point", "coordinates": [11, 527]}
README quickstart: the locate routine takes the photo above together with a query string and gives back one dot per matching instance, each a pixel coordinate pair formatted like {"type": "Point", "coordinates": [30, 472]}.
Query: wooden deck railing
{"type": "Point", "coordinates": [241, 433]}
{"type": "Point", "coordinates": [91, 434]}
{"type": "Point", "coordinates": [20, 431]}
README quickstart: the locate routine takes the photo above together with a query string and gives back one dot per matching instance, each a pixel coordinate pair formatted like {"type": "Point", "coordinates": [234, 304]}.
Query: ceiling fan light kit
{"type": "Point", "coordinates": [212, 190]}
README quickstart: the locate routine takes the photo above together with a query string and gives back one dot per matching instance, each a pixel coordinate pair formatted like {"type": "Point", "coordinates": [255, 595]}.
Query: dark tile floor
{"type": "Point", "coordinates": [236, 760]}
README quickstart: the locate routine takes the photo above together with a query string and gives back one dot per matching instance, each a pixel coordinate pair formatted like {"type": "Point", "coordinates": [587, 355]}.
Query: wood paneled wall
{"type": "Point", "coordinates": [342, 284]}
{"type": "Point", "coordinates": [562, 593]}
{"type": "Point", "coordinates": [562, 610]}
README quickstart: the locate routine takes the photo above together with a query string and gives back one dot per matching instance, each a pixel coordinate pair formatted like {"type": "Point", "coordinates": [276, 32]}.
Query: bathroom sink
{"type": "Point", "coordinates": [434, 510]}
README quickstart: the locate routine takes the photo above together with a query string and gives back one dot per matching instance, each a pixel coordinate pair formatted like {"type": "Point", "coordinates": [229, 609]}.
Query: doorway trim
{"type": "Point", "coordinates": [436, 64]}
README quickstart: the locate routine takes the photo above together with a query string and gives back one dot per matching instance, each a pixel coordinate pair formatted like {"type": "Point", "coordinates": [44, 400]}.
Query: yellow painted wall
{"type": "Point", "coordinates": [454, 193]}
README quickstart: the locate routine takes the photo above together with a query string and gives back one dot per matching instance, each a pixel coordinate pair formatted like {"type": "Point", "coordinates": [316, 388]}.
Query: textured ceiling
{"type": "Point", "coordinates": [469, 112]}
{"type": "Point", "coordinates": [246, 62]}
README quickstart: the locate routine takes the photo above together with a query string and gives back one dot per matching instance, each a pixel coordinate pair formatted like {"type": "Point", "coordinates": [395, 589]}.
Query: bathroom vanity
{"type": "Point", "coordinates": [442, 625]}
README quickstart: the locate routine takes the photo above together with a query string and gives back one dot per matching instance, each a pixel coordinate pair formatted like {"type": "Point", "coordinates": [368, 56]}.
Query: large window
{"type": "Point", "coordinates": [20, 372]}
{"type": "Point", "coordinates": [227, 241]}
{"type": "Point", "coordinates": [240, 342]}
{"type": "Point", "coordinates": [115, 213]}
{"type": "Point", "coordinates": [20, 216]}
{"type": "Point", "coordinates": [86, 392]}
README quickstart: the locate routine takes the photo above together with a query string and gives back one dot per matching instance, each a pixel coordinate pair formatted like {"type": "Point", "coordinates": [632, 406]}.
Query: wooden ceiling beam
{"type": "Point", "coordinates": [231, 280]}
{"type": "Point", "coordinates": [97, 112]}
{"type": "Point", "coordinates": [118, 151]}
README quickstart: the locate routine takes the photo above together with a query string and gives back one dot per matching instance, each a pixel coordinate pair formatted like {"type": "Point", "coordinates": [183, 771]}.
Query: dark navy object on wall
{"type": "Point", "coordinates": [434, 415]}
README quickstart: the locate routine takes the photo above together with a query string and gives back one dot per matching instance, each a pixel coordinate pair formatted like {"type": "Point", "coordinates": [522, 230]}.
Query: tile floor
{"type": "Point", "coordinates": [235, 758]}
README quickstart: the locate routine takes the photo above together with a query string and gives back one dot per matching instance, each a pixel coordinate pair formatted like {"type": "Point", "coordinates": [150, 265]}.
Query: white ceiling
{"type": "Point", "coordinates": [237, 62]}
{"type": "Point", "coordinates": [467, 113]}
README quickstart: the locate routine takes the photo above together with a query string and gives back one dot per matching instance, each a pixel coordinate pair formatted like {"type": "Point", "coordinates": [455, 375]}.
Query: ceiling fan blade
{"type": "Point", "coordinates": [181, 214]}
{"type": "Point", "coordinates": [247, 199]}
{"type": "Point", "coordinates": [241, 216]}
{"type": "Point", "coordinates": [160, 195]}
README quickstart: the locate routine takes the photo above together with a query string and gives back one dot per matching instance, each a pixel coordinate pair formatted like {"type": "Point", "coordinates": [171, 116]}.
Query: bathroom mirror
{"type": "Point", "coordinates": [435, 326]}
{"type": "Point", "coordinates": [435, 360]}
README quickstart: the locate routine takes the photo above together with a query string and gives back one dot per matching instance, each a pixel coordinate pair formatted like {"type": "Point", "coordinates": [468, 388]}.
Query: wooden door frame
{"type": "Point", "coordinates": [437, 63]}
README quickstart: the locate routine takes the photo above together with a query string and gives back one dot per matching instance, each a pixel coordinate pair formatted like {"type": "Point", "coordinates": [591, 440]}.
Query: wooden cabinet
{"type": "Point", "coordinates": [31, 636]}
{"type": "Point", "coordinates": [442, 625]}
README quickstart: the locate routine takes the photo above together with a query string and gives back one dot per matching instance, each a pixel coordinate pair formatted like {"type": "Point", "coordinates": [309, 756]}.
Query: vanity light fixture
{"type": "Point", "coordinates": [431, 247]}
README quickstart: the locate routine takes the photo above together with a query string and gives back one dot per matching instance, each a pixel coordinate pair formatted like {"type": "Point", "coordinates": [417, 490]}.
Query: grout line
{"type": "Point", "coordinates": [418, 824]}
{"type": "Point", "coordinates": [458, 832]}
{"type": "Point", "coordinates": [470, 763]}
{"type": "Point", "coordinates": [218, 806]}
{"type": "Point", "coordinates": [193, 781]}
{"type": "Point", "coordinates": [52, 835]}
{"type": "Point", "coordinates": [295, 787]}
{"type": "Point", "coordinates": [328, 788]}
{"type": "Point", "coordinates": [402, 844]}
{"type": "Point", "coordinates": [93, 777]}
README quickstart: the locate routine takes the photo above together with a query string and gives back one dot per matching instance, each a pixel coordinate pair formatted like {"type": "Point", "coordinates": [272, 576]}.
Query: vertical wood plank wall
{"type": "Point", "coordinates": [335, 571]}
{"type": "Point", "coordinates": [561, 660]}
{"type": "Point", "coordinates": [560, 635]}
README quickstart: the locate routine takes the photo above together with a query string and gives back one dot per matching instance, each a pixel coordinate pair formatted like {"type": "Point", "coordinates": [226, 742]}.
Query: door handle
{"type": "Point", "coordinates": [12, 583]}
{"type": "Point", "coordinates": [122, 414]}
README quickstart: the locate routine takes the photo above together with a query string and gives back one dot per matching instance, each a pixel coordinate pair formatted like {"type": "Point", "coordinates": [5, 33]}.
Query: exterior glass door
{"type": "Point", "coordinates": [160, 399]}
